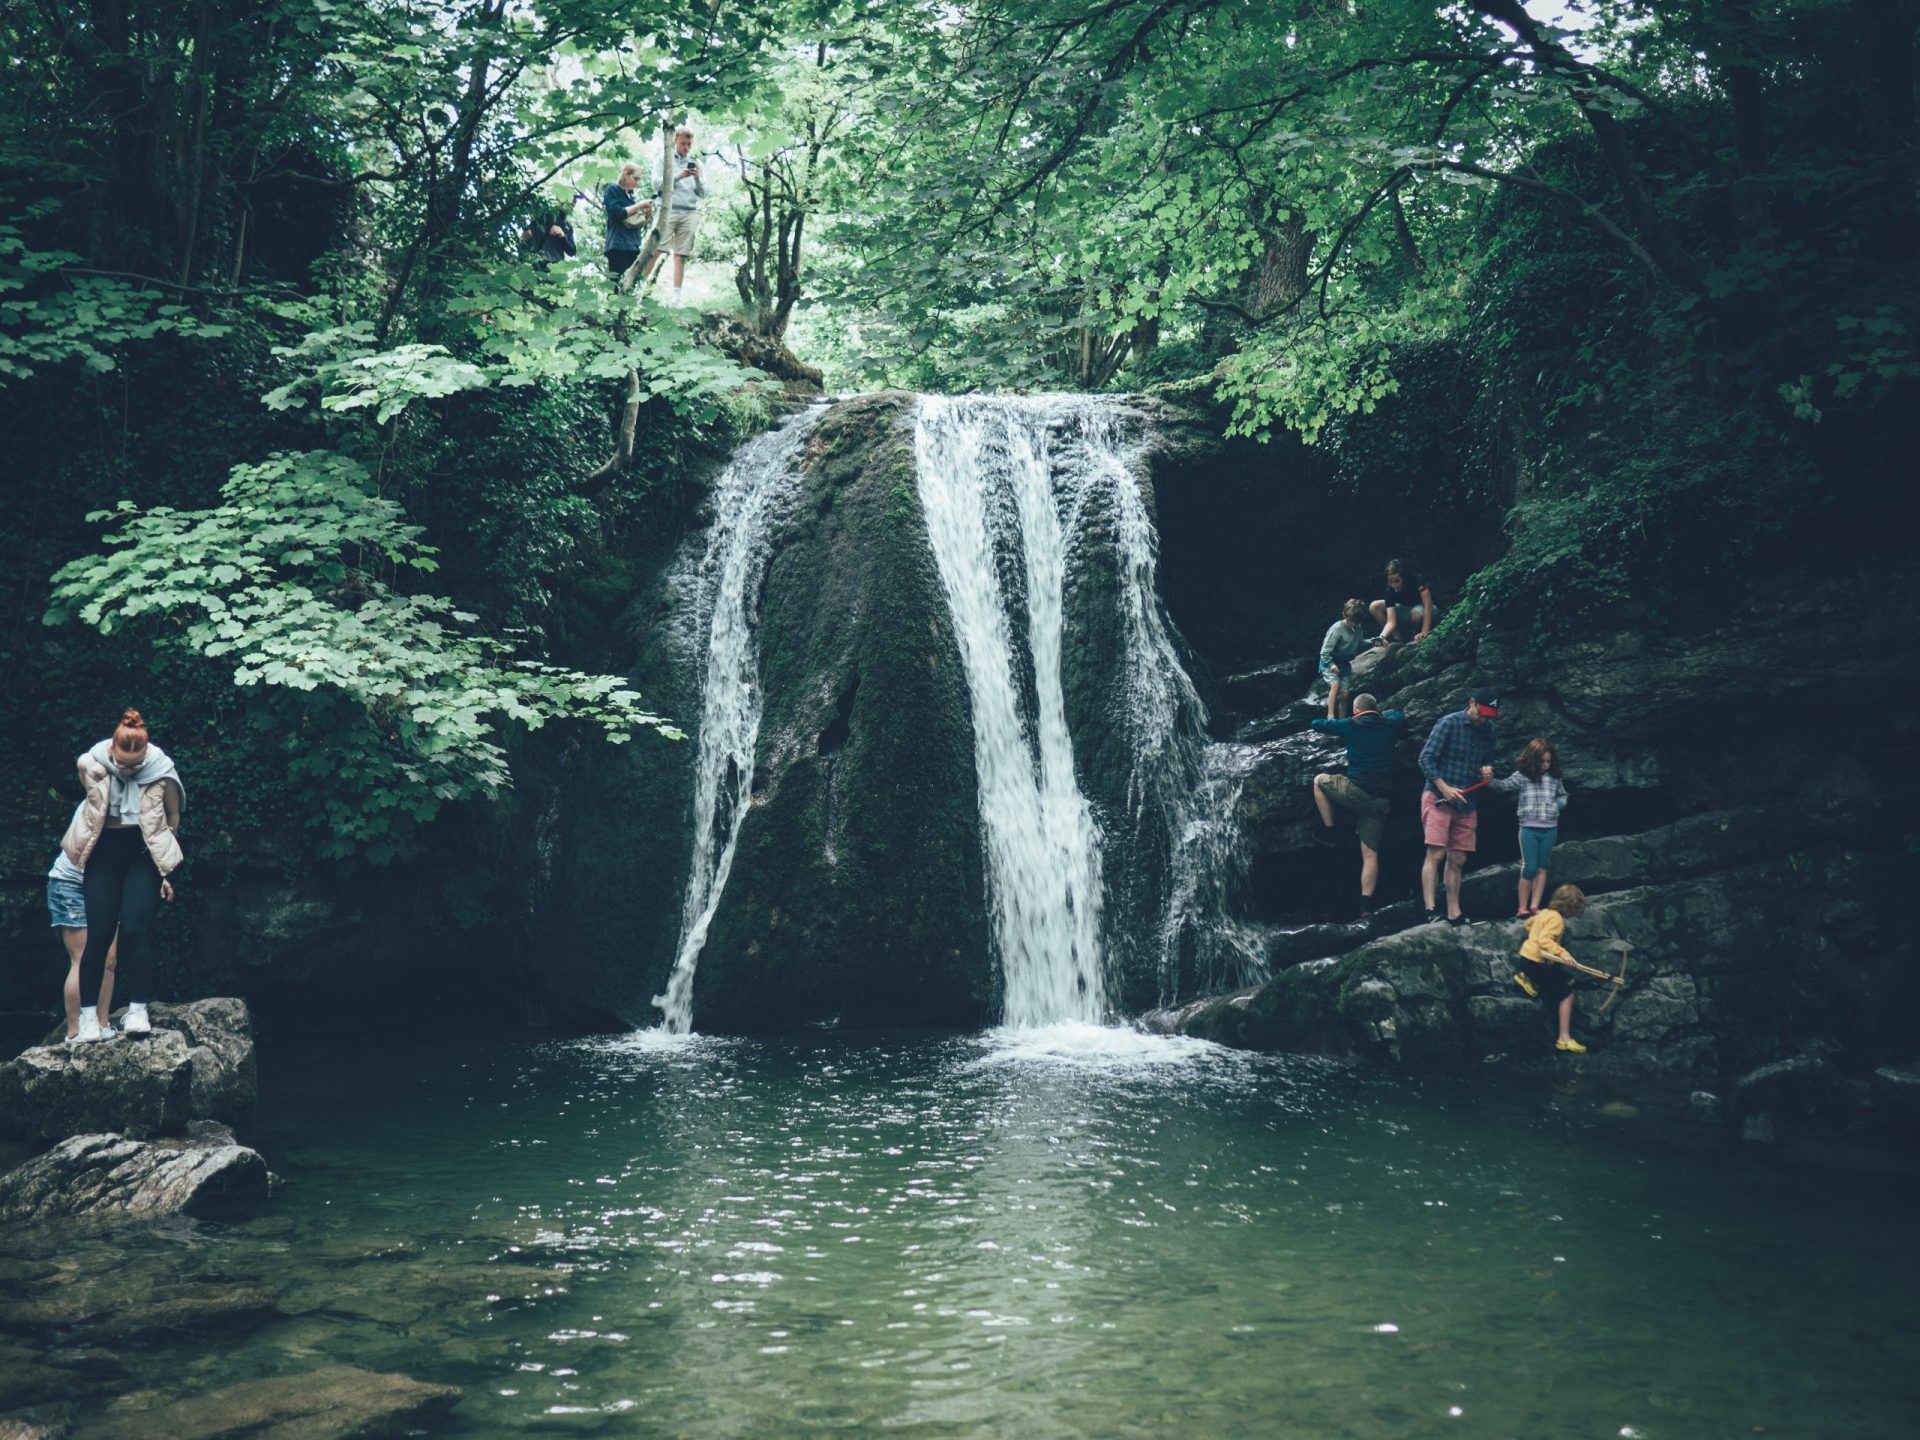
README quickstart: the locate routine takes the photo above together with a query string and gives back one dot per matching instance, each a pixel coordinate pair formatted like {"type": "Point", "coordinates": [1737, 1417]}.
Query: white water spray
{"type": "Point", "coordinates": [749, 496]}
{"type": "Point", "coordinates": [986, 475]}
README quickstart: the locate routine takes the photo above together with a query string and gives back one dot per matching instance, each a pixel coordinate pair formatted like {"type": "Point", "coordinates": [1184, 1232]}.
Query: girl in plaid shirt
{"type": "Point", "coordinates": [1542, 796]}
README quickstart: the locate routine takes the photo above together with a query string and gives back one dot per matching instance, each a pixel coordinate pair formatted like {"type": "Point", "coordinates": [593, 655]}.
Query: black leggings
{"type": "Point", "coordinates": [122, 890]}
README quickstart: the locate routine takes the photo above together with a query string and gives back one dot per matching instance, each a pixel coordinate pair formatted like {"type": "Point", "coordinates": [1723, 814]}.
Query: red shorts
{"type": "Point", "coordinates": [1446, 825]}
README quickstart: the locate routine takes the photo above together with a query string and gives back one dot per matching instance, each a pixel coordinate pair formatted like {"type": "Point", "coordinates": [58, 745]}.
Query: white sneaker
{"type": "Point", "coordinates": [107, 1032]}
{"type": "Point", "coordinates": [89, 1031]}
{"type": "Point", "coordinates": [135, 1021]}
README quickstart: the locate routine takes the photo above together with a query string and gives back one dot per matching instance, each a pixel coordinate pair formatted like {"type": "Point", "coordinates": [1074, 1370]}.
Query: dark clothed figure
{"type": "Point", "coordinates": [122, 890]}
{"type": "Point", "coordinates": [624, 241]}
{"type": "Point", "coordinates": [547, 246]}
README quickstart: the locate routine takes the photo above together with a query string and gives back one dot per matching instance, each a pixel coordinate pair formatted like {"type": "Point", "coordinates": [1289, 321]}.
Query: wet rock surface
{"type": "Point", "coordinates": [1725, 970]}
{"type": "Point", "coordinates": [857, 893]}
{"type": "Point", "coordinates": [197, 1064]}
{"type": "Point", "coordinates": [137, 1087]}
{"type": "Point", "coordinates": [116, 1175]}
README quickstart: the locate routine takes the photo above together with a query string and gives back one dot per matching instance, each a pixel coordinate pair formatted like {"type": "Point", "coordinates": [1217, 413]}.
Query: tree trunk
{"type": "Point", "coordinates": [1615, 149]}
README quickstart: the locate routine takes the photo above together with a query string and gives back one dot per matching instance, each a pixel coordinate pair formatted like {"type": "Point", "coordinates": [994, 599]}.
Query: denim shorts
{"type": "Point", "coordinates": [65, 904]}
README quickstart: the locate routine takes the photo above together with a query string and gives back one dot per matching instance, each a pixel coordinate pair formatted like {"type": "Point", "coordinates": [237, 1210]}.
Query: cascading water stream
{"type": "Point", "coordinates": [1025, 498]}
{"type": "Point", "coordinates": [1180, 783]}
{"type": "Point", "coordinates": [986, 477]}
{"type": "Point", "coordinates": [749, 496]}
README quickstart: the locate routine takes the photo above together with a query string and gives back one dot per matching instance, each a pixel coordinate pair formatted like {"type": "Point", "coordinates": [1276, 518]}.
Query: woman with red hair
{"type": "Point", "coordinates": [123, 842]}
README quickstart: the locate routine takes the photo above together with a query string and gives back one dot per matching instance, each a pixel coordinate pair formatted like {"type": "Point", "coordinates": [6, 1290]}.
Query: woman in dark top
{"type": "Point", "coordinates": [1408, 605]}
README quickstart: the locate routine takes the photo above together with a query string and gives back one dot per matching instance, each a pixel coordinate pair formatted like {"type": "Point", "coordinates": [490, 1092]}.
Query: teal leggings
{"type": "Point", "coordinates": [1536, 844]}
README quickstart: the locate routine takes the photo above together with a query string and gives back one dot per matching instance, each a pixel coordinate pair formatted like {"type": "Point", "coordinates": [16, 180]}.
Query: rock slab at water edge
{"type": "Point", "coordinates": [340, 1402]}
{"type": "Point", "coordinates": [106, 1175]}
{"type": "Point", "coordinates": [198, 1064]}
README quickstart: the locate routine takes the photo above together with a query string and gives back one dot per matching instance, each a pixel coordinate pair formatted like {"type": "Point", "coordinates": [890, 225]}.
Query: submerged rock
{"type": "Point", "coordinates": [1896, 1097]}
{"type": "Point", "coordinates": [130, 1303]}
{"type": "Point", "coordinates": [116, 1175]}
{"type": "Point", "coordinates": [339, 1402]}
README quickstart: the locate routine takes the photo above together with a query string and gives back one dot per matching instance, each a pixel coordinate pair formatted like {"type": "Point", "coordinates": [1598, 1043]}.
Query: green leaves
{"type": "Point", "coordinates": [50, 317]}
{"type": "Point", "coordinates": [388, 704]}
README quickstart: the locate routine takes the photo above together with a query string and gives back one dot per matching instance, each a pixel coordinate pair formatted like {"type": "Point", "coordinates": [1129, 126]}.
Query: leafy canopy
{"type": "Point", "coordinates": [385, 705]}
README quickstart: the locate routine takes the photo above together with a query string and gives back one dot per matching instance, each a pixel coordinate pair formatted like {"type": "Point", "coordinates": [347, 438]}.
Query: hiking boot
{"type": "Point", "coordinates": [1570, 1047]}
{"type": "Point", "coordinates": [1527, 985]}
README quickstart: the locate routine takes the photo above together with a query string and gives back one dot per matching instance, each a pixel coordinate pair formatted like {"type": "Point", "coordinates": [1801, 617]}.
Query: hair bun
{"type": "Point", "coordinates": [130, 720]}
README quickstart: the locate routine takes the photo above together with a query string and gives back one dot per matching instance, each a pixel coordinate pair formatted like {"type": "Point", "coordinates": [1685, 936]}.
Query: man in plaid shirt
{"type": "Point", "coordinates": [1458, 753]}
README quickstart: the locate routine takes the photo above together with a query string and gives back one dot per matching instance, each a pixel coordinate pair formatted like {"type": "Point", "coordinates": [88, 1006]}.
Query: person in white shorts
{"type": "Point", "coordinates": [686, 189]}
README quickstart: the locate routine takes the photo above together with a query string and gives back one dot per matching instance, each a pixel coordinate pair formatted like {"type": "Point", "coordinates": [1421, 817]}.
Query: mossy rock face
{"type": "Point", "coordinates": [607, 828]}
{"type": "Point", "coordinates": [857, 892]}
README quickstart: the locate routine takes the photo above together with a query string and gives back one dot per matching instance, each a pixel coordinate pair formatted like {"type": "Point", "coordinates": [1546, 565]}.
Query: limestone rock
{"type": "Point", "coordinates": [198, 1064]}
{"type": "Point", "coordinates": [339, 1402]}
{"type": "Point", "coordinates": [34, 1374]}
{"type": "Point", "coordinates": [1758, 1128]}
{"type": "Point", "coordinates": [1717, 962]}
{"type": "Point", "coordinates": [857, 893]}
{"type": "Point", "coordinates": [127, 1303]}
{"type": "Point", "coordinates": [1706, 1108]}
{"type": "Point", "coordinates": [119, 1176]}
{"type": "Point", "coordinates": [133, 1087]}
{"type": "Point", "coordinates": [219, 1032]}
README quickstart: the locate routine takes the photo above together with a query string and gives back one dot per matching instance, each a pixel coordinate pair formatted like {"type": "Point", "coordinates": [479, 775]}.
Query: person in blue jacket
{"type": "Point", "coordinates": [1364, 790]}
{"type": "Point", "coordinates": [627, 216]}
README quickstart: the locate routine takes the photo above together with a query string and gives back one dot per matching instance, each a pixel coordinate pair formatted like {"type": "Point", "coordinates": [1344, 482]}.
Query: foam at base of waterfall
{"type": "Point", "coordinates": [1101, 1047]}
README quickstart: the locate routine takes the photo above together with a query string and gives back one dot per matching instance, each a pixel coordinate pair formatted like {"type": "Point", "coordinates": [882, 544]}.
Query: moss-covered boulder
{"type": "Point", "coordinates": [856, 893]}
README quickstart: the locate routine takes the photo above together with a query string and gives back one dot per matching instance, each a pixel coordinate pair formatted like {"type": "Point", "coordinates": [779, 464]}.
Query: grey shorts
{"type": "Point", "coordinates": [1407, 616]}
{"type": "Point", "coordinates": [65, 904]}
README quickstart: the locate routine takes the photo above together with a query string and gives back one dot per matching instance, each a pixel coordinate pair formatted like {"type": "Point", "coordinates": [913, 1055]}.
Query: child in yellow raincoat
{"type": "Point", "coordinates": [1545, 971]}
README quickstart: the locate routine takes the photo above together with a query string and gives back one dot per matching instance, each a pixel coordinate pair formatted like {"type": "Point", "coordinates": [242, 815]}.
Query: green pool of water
{"type": "Point", "coordinates": [935, 1236]}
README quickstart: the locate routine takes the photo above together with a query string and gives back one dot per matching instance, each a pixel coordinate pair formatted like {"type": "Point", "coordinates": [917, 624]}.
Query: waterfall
{"type": "Point", "coordinates": [749, 497]}
{"type": "Point", "coordinates": [1026, 498]}
{"type": "Point", "coordinates": [1183, 792]}
{"type": "Point", "coordinates": [986, 476]}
